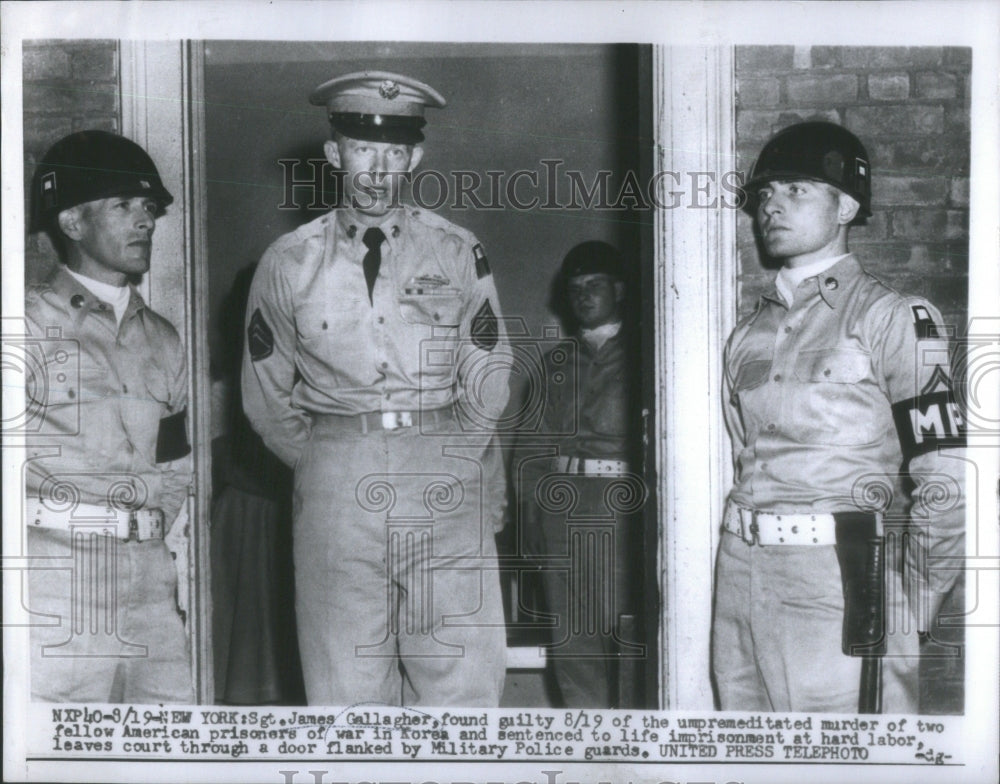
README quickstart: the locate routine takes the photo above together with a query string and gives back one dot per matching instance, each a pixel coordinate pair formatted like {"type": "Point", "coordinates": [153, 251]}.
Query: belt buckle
{"type": "Point", "coordinates": [391, 420]}
{"type": "Point", "coordinates": [133, 527]}
{"type": "Point", "coordinates": [754, 527]}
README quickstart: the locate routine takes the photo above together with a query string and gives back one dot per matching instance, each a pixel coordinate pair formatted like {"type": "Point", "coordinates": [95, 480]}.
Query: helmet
{"type": "Point", "coordinates": [90, 165]}
{"type": "Point", "coordinates": [822, 151]}
{"type": "Point", "coordinates": [592, 258]}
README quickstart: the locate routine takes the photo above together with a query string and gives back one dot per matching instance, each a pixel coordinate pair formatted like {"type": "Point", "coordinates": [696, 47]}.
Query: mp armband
{"type": "Point", "coordinates": [928, 422]}
{"type": "Point", "coordinates": [171, 440]}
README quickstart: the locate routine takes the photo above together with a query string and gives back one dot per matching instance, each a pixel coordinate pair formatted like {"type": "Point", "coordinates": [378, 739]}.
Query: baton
{"type": "Point", "coordinates": [870, 691]}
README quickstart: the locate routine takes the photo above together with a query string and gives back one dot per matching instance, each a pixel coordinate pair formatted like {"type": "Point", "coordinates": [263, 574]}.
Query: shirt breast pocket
{"type": "Point", "coordinates": [438, 309]}
{"type": "Point", "coordinates": [749, 393]}
{"type": "Point", "coordinates": [329, 330]}
{"type": "Point", "coordinates": [833, 403]}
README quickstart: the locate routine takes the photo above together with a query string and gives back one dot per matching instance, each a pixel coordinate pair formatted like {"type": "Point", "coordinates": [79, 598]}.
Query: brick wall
{"type": "Point", "coordinates": [910, 108]}
{"type": "Point", "coordinates": [68, 86]}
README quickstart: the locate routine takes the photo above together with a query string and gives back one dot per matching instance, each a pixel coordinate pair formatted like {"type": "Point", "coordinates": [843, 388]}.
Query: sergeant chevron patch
{"type": "Point", "coordinates": [484, 328]}
{"type": "Point", "coordinates": [260, 339]}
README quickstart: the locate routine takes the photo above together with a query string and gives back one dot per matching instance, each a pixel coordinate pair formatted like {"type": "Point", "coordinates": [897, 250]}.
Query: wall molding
{"type": "Point", "coordinates": [695, 291]}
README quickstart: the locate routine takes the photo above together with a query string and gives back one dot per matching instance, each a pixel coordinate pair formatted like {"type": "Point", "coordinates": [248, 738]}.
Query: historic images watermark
{"type": "Point", "coordinates": [314, 184]}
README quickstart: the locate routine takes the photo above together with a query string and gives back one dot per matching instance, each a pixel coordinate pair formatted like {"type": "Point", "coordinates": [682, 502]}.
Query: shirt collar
{"type": "Point", "coordinates": [789, 278]}
{"type": "Point", "coordinates": [830, 283]}
{"type": "Point", "coordinates": [596, 338]}
{"type": "Point", "coordinates": [353, 229]}
{"type": "Point", "coordinates": [78, 300]}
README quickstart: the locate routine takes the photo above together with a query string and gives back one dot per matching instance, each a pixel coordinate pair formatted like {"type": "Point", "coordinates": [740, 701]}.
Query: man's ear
{"type": "Point", "coordinates": [619, 291]}
{"type": "Point", "coordinates": [415, 157]}
{"type": "Point", "coordinates": [847, 209]}
{"type": "Point", "coordinates": [332, 152]}
{"type": "Point", "coordinates": [70, 224]}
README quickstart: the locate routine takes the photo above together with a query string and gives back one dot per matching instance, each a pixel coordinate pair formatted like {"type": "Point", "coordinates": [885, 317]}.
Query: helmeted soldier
{"type": "Point", "coordinates": [835, 386]}
{"type": "Point", "coordinates": [586, 551]}
{"type": "Point", "coordinates": [108, 467]}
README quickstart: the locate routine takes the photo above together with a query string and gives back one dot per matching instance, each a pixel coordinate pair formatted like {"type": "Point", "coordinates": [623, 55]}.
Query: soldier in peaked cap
{"type": "Point", "coordinates": [377, 366]}
{"type": "Point", "coordinates": [108, 459]}
{"type": "Point", "coordinates": [835, 387]}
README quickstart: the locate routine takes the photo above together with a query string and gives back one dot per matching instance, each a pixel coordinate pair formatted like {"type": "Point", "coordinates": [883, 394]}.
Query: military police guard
{"type": "Point", "coordinates": [108, 467]}
{"type": "Point", "coordinates": [377, 366]}
{"type": "Point", "coordinates": [833, 386]}
{"type": "Point", "coordinates": [586, 551]}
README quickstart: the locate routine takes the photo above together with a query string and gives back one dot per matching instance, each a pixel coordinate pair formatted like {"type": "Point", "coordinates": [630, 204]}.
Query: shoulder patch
{"type": "Point", "coordinates": [482, 264]}
{"type": "Point", "coordinates": [923, 323]}
{"type": "Point", "coordinates": [484, 328]}
{"type": "Point", "coordinates": [260, 339]}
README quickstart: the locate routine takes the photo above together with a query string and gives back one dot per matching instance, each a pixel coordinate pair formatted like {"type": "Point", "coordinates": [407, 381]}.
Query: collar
{"type": "Point", "coordinates": [830, 284]}
{"type": "Point", "coordinates": [789, 278]}
{"type": "Point", "coordinates": [351, 228]}
{"type": "Point", "coordinates": [77, 300]}
{"type": "Point", "coordinates": [596, 338]}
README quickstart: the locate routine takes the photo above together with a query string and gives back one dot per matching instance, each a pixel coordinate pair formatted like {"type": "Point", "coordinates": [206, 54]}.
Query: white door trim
{"type": "Point", "coordinates": [695, 285]}
{"type": "Point", "coordinates": [161, 89]}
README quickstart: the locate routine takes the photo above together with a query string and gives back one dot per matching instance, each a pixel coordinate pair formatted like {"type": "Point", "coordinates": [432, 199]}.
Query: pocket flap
{"type": "Point", "coordinates": [436, 309]}
{"type": "Point", "coordinates": [835, 366]}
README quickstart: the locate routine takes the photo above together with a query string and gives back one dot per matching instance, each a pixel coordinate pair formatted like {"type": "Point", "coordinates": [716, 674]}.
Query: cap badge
{"type": "Point", "coordinates": [388, 89]}
{"type": "Point", "coordinates": [145, 184]}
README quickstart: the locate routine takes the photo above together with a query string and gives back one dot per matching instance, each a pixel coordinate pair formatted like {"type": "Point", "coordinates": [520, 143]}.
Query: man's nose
{"type": "Point", "coordinates": [772, 204]}
{"type": "Point", "coordinates": [144, 218]}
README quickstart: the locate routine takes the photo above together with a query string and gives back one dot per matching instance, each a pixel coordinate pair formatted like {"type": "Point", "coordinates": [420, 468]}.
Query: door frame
{"type": "Point", "coordinates": [694, 298]}
{"type": "Point", "coordinates": [161, 87]}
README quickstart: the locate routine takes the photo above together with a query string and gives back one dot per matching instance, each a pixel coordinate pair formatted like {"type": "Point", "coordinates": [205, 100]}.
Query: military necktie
{"type": "Point", "coordinates": [373, 258]}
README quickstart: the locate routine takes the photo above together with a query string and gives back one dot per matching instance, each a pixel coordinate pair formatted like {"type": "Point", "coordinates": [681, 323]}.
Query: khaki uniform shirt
{"type": "Point", "coordinates": [432, 335]}
{"type": "Point", "coordinates": [108, 401]}
{"type": "Point", "coordinates": [821, 397]}
{"type": "Point", "coordinates": [587, 397]}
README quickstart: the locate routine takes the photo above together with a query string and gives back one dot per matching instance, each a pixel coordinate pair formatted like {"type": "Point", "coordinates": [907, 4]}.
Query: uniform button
{"type": "Point", "coordinates": [125, 388]}
{"type": "Point", "coordinates": [381, 319]}
{"type": "Point", "coordinates": [76, 301]}
{"type": "Point", "coordinates": [324, 325]}
{"type": "Point", "coordinates": [437, 316]}
{"type": "Point", "coordinates": [771, 427]}
{"type": "Point", "coordinates": [71, 394]}
{"type": "Point", "coordinates": [777, 377]}
{"type": "Point", "coordinates": [351, 231]}
{"type": "Point", "coordinates": [385, 365]}
{"type": "Point", "coordinates": [763, 466]}
{"type": "Point", "coordinates": [787, 330]}
{"type": "Point", "coordinates": [388, 395]}
{"type": "Point", "coordinates": [826, 372]}
{"type": "Point", "coordinates": [831, 283]}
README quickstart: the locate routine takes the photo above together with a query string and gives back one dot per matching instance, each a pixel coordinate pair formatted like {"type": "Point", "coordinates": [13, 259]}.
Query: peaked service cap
{"type": "Point", "coordinates": [377, 105]}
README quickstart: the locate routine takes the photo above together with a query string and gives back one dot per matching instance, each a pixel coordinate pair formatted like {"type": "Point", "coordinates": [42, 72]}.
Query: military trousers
{"type": "Point", "coordinates": [105, 624]}
{"type": "Point", "coordinates": [397, 588]}
{"type": "Point", "coordinates": [584, 548]}
{"type": "Point", "coordinates": [776, 633]}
